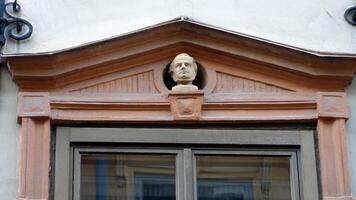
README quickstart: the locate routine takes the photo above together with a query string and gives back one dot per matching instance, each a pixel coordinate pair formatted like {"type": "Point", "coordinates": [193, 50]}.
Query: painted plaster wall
{"type": "Point", "coordinates": [9, 138]}
{"type": "Point", "coordinates": [316, 25]}
{"type": "Point", "coordinates": [351, 128]}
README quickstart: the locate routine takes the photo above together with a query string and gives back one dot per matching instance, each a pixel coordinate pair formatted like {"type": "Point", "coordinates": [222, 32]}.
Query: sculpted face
{"type": "Point", "coordinates": [183, 69]}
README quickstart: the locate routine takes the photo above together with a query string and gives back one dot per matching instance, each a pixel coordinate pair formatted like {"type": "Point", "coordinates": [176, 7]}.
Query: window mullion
{"type": "Point", "coordinates": [77, 168]}
{"type": "Point", "coordinates": [188, 174]}
{"type": "Point", "coordinates": [180, 176]}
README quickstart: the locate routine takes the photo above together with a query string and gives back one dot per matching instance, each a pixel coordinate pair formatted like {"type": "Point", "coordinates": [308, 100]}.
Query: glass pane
{"type": "Point", "coordinates": [127, 177]}
{"type": "Point", "coordinates": [243, 178]}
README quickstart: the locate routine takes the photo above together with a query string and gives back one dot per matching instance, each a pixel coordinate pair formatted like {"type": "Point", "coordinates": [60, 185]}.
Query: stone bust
{"type": "Point", "coordinates": [183, 70]}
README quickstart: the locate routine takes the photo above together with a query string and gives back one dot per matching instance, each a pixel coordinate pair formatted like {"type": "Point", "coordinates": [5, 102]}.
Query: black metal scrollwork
{"type": "Point", "coordinates": [350, 15]}
{"type": "Point", "coordinates": [15, 27]}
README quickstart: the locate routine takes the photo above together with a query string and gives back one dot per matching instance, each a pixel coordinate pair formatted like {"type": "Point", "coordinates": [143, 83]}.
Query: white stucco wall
{"type": "Point", "coordinates": [315, 25]}
{"type": "Point", "coordinates": [9, 138]}
{"type": "Point", "coordinates": [351, 128]}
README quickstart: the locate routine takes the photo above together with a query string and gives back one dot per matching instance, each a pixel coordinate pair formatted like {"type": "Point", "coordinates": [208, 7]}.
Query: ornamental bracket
{"type": "Point", "coordinates": [15, 27]}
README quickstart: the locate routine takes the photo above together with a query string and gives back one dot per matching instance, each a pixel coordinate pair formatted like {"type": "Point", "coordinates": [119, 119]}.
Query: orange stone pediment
{"type": "Point", "coordinates": [135, 63]}
{"type": "Point", "coordinates": [128, 75]}
{"type": "Point", "coordinates": [150, 79]}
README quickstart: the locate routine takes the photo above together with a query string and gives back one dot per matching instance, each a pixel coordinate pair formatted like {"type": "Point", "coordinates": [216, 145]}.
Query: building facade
{"type": "Point", "coordinates": [88, 110]}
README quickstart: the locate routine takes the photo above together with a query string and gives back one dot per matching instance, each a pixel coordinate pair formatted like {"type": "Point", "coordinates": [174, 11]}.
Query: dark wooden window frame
{"type": "Point", "coordinates": [299, 145]}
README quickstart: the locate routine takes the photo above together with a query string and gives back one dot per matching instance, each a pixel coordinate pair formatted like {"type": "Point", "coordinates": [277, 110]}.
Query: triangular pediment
{"type": "Point", "coordinates": [138, 81]}
{"type": "Point", "coordinates": [136, 64]}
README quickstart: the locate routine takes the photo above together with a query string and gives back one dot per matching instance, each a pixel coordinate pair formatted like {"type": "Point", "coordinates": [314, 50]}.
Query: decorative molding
{"type": "Point", "coordinates": [160, 43]}
{"type": "Point", "coordinates": [333, 154]}
{"type": "Point", "coordinates": [157, 108]}
{"type": "Point", "coordinates": [259, 110]}
{"type": "Point", "coordinates": [227, 83]}
{"type": "Point", "coordinates": [304, 88]}
{"type": "Point", "coordinates": [141, 83]}
{"type": "Point", "coordinates": [34, 159]}
{"type": "Point", "coordinates": [186, 105]}
{"type": "Point", "coordinates": [332, 104]}
{"type": "Point", "coordinates": [33, 104]}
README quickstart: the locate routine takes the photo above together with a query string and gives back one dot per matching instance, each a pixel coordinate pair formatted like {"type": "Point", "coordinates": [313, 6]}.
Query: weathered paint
{"type": "Point", "coordinates": [9, 138]}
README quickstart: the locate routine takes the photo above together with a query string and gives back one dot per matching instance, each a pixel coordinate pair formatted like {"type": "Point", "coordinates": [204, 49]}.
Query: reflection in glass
{"type": "Point", "coordinates": [243, 178]}
{"type": "Point", "coordinates": [127, 177]}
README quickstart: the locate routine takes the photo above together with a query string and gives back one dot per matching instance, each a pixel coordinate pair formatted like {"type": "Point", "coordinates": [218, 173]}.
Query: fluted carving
{"type": "Point", "coordinates": [226, 83]}
{"type": "Point", "coordinates": [136, 83]}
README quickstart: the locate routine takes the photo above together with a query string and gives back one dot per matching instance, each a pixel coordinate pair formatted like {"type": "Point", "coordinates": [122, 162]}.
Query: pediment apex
{"type": "Point", "coordinates": [185, 23]}
{"type": "Point", "coordinates": [163, 42]}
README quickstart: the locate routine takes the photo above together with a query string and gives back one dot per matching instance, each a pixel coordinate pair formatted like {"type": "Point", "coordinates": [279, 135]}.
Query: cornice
{"type": "Point", "coordinates": [163, 41]}
{"type": "Point", "coordinates": [319, 53]}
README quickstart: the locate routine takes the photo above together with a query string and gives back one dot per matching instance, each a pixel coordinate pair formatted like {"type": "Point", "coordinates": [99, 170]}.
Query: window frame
{"type": "Point", "coordinates": [77, 162]}
{"type": "Point", "coordinates": [299, 144]}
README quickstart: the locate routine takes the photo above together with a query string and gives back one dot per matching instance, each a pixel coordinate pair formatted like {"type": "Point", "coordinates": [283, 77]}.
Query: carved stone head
{"type": "Point", "coordinates": [183, 70]}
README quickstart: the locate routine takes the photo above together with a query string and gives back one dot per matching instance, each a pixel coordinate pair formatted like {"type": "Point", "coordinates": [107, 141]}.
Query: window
{"type": "Point", "coordinates": [138, 176]}
{"type": "Point", "coordinates": [184, 164]}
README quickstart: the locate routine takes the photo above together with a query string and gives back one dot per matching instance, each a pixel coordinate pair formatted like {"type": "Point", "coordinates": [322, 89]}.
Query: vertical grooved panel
{"type": "Point", "coordinates": [35, 158]}
{"type": "Point", "coordinates": [136, 83]}
{"type": "Point", "coordinates": [226, 83]}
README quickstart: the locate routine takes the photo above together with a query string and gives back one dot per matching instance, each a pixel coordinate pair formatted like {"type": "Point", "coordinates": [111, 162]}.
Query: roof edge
{"type": "Point", "coordinates": [191, 21]}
